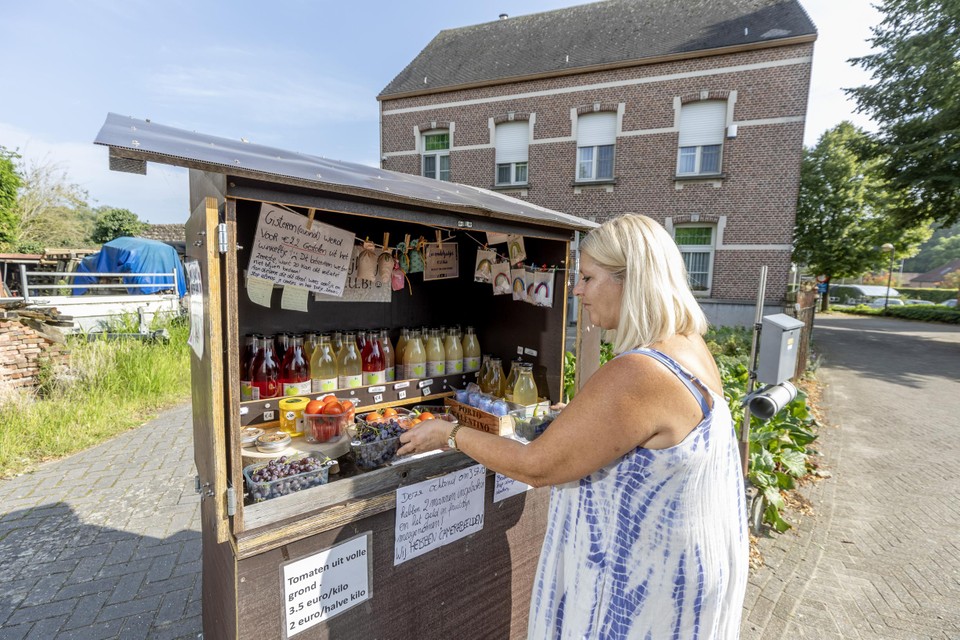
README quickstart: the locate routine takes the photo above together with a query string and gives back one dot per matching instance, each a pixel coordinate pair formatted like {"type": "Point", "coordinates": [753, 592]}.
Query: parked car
{"type": "Point", "coordinates": [882, 303]}
{"type": "Point", "coordinates": [951, 303]}
{"type": "Point", "coordinates": [913, 302]}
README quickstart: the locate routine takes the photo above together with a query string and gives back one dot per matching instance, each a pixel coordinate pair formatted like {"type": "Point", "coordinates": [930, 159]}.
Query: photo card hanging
{"type": "Point", "coordinates": [518, 278]}
{"type": "Point", "coordinates": [518, 252]}
{"type": "Point", "coordinates": [543, 287]}
{"type": "Point", "coordinates": [483, 269]}
{"type": "Point", "coordinates": [501, 278]}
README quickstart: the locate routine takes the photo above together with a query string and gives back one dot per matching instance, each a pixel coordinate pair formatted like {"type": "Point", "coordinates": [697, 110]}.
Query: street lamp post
{"type": "Point", "coordinates": [888, 248]}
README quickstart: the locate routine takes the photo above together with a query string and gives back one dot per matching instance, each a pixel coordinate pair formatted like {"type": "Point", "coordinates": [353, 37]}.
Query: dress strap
{"type": "Point", "coordinates": [688, 379]}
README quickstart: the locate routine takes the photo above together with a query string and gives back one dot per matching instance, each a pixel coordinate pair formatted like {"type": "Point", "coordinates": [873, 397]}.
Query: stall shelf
{"type": "Point", "coordinates": [476, 586]}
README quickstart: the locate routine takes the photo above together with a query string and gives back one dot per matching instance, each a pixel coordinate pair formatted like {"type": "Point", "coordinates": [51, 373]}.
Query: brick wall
{"type": "Point", "coordinates": [755, 199]}
{"type": "Point", "coordinates": [22, 349]}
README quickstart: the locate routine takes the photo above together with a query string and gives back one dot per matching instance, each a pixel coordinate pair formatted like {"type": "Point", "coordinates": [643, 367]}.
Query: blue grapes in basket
{"type": "Point", "coordinates": [282, 476]}
{"type": "Point", "coordinates": [377, 439]}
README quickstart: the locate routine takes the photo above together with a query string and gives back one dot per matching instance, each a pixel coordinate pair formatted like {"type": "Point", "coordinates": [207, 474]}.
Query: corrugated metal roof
{"type": "Point", "coordinates": [591, 35]}
{"type": "Point", "coordinates": [145, 140]}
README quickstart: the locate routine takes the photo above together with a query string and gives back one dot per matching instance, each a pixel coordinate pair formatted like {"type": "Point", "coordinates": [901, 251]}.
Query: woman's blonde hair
{"type": "Point", "coordinates": [657, 302]}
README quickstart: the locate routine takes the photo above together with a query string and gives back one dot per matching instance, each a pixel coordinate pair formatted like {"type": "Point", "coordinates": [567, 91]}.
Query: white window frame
{"type": "Point", "coordinates": [514, 155]}
{"type": "Point", "coordinates": [708, 249]}
{"type": "Point", "coordinates": [590, 141]}
{"type": "Point", "coordinates": [437, 154]}
{"type": "Point", "coordinates": [702, 127]}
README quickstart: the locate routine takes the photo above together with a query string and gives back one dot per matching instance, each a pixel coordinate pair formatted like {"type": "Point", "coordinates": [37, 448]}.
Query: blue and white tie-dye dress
{"type": "Point", "coordinates": [653, 546]}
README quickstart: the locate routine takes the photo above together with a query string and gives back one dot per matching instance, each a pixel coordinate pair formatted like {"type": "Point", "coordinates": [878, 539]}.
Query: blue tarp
{"type": "Point", "coordinates": [134, 255]}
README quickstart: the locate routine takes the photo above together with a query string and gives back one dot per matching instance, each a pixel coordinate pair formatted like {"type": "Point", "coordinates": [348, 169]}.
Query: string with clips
{"type": "Point", "coordinates": [506, 258]}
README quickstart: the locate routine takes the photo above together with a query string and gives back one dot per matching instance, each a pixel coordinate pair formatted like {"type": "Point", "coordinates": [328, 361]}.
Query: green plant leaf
{"type": "Point", "coordinates": [794, 462]}
{"type": "Point", "coordinates": [771, 515]}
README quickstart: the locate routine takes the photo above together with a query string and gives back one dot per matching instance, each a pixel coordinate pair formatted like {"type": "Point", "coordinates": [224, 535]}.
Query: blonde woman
{"type": "Point", "coordinates": [647, 532]}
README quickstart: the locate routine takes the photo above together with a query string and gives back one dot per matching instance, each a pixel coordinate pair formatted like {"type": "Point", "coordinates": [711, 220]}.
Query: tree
{"type": "Point", "coordinates": [10, 182]}
{"type": "Point", "coordinates": [942, 247]}
{"type": "Point", "coordinates": [115, 223]}
{"type": "Point", "coordinates": [49, 210]}
{"type": "Point", "coordinates": [914, 101]}
{"type": "Point", "coordinates": [841, 222]}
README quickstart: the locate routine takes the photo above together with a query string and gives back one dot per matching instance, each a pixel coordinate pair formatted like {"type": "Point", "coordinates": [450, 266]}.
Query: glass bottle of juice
{"type": "Point", "coordinates": [400, 372]}
{"type": "Point", "coordinates": [337, 343]}
{"type": "Point", "coordinates": [251, 345]}
{"type": "Point", "coordinates": [310, 342]}
{"type": "Point", "coordinates": [454, 353]}
{"type": "Point", "coordinates": [361, 340]}
{"type": "Point", "coordinates": [496, 380]}
{"type": "Point", "coordinates": [371, 359]}
{"type": "Point", "coordinates": [265, 372]}
{"type": "Point", "coordinates": [295, 372]}
{"type": "Point", "coordinates": [482, 371]}
{"type": "Point", "coordinates": [349, 369]}
{"type": "Point", "coordinates": [281, 343]}
{"type": "Point", "coordinates": [471, 351]}
{"type": "Point", "coordinates": [389, 355]}
{"type": "Point", "coordinates": [525, 388]}
{"type": "Point", "coordinates": [415, 357]}
{"type": "Point", "coordinates": [436, 358]}
{"type": "Point", "coordinates": [512, 377]}
{"type": "Point", "coordinates": [323, 367]}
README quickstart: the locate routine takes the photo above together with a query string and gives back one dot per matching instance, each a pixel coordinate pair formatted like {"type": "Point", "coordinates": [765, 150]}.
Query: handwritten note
{"type": "Point", "coordinates": [326, 584]}
{"type": "Point", "coordinates": [357, 290]}
{"type": "Point", "coordinates": [294, 298]}
{"type": "Point", "coordinates": [194, 280]}
{"type": "Point", "coordinates": [259, 290]}
{"type": "Point", "coordinates": [441, 261]}
{"type": "Point", "coordinates": [436, 512]}
{"type": "Point", "coordinates": [508, 487]}
{"type": "Point", "coordinates": [286, 252]}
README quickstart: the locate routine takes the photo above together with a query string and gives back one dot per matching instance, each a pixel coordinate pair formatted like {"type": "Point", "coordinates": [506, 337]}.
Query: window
{"type": "Point", "coordinates": [701, 137]}
{"type": "Point", "coordinates": [596, 137]}
{"type": "Point", "coordinates": [512, 140]}
{"type": "Point", "coordinates": [696, 247]}
{"type": "Point", "coordinates": [436, 156]}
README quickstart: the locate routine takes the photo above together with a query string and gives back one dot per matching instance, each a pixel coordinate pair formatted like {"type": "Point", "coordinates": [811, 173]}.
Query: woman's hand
{"type": "Point", "coordinates": [426, 436]}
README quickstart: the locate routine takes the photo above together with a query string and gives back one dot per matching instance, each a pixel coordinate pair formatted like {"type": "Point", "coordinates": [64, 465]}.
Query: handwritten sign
{"type": "Point", "coordinates": [326, 584]}
{"type": "Point", "coordinates": [441, 261]}
{"type": "Point", "coordinates": [287, 253]}
{"type": "Point", "coordinates": [357, 290]}
{"type": "Point", "coordinates": [195, 286]}
{"type": "Point", "coordinates": [436, 512]}
{"type": "Point", "coordinates": [508, 487]}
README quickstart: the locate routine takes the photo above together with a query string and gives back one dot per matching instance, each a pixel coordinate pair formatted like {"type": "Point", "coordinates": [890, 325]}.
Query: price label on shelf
{"type": "Point", "coordinates": [426, 391]}
{"type": "Point", "coordinates": [402, 395]}
{"type": "Point", "coordinates": [378, 397]}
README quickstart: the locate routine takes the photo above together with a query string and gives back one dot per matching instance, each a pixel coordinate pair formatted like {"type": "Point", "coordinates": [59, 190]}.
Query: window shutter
{"type": "Point", "coordinates": [702, 123]}
{"type": "Point", "coordinates": [512, 139]}
{"type": "Point", "coordinates": [596, 129]}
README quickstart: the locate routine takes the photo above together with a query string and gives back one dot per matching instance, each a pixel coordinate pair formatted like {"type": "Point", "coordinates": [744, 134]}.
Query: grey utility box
{"type": "Point", "coordinates": [779, 343]}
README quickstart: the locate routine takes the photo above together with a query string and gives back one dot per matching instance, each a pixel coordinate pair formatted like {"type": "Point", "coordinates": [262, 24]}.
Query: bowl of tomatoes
{"type": "Point", "coordinates": [327, 418]}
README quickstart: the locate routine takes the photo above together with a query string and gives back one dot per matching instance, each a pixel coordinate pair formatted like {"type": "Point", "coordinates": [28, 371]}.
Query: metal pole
{"type": "Point", "coordinates": [886, 301]}
{"type": "Point", "coordinates": [23, 284]}
{"type": "Point", "coordinates": [751, 382]}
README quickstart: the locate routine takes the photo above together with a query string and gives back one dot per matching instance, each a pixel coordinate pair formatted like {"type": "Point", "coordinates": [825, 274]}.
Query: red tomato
{"type": "Point", "coordinates": [333, 408]}
{"type": "Point", "coordinates": [314, 407]}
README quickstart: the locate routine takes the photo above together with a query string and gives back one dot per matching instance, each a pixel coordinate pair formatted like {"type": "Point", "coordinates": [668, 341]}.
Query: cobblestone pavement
{"type": "Point", "coordinates": [880, 557]}
{"type": "Point", "coordinates": [105, 543]}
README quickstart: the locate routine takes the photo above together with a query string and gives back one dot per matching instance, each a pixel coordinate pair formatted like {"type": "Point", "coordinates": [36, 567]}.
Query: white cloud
{"type": "Point", "coordinates": [161, 196]}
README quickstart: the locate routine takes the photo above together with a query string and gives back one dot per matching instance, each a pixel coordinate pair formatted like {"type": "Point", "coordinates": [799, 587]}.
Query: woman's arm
{"type": "Point", "coordinates": [622, 406]}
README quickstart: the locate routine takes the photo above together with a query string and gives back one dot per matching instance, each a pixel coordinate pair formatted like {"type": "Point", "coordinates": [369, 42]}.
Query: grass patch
{"type": "Point", "coordinates": [107, 388]}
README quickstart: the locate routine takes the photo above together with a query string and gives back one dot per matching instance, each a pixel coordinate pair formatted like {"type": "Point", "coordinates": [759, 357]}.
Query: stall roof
{"type": "Point", "coordinates": [139, 141]}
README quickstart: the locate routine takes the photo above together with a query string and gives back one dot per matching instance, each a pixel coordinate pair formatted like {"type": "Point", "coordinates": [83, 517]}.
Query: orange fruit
{"type": "Point", "coordinates": [426, 415]}
{"type": "Point", "coordinates": [372, 416]}
{"type": "Point", "coordinates": [415, 422]}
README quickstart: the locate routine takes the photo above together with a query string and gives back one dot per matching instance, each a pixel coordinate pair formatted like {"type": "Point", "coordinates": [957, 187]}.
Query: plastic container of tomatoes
{"type": "Point", "coordinates": [327, 419]}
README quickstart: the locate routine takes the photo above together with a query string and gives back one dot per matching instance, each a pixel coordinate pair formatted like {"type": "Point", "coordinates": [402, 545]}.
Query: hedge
{"type": "Point", "coordinates": [933, 295]}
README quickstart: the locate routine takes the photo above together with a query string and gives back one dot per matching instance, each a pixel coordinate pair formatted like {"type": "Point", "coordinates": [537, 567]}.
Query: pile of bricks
{"type": "Point", "coordinates": [24, 345]}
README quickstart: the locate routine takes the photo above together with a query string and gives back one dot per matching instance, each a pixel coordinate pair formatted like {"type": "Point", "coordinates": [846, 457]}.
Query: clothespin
{"type": "Point", "coordinates": [439, 239]}
{"type": "Point", "coordinates": [310, 214]}
{"type": "Point", "coordinates": [386, 242]}
{"type": "Point", "coordinates": [406, 241]}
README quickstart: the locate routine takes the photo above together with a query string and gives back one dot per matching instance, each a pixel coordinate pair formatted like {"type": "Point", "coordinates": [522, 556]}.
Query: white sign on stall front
{"type": "Point", "coordinates": [508, 487]}
{"type": "Point", "coordinates": [436, 512]}
{"type": "Point", "coordinates": [326, 584]}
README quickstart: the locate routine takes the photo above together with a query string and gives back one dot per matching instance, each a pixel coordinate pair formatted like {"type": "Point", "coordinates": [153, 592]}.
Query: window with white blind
{"type": "Point", "coordinates": [701, 137]}
{"type": "Point", "coordinates": [512, 143]}
{"type": "Point", "coordinates": [596, 140]}
{"type": "Point", "coordinates": [696, 247]}
{"type": "Point", "coordinates": [436, 155]}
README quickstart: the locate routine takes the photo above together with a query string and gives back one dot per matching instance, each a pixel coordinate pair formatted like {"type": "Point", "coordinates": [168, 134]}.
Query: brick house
{"type": "Point", "coordinates": [690, 112]}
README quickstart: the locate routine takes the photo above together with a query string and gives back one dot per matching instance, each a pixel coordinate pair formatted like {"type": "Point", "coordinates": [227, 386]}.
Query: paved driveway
{"type": "Point", "coordinates": [881, 557]}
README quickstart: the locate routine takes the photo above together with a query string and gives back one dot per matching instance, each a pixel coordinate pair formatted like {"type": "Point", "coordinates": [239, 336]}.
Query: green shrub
{"type": "Point", "coordinates": [925, 313]}
{"type": "Point", "coordinates": [933, 295]}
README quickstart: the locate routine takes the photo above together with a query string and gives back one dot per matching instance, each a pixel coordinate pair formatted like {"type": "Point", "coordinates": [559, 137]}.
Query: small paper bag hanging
{"type": "Point", "coordinates": [385, 263]}
{"type": "Point", "coordinates": [543, 287]}
{"type": "Point", "coordinates": [483, 271]}
{"type": "Point", "coordinates": [397, 278]}
{"type": "Point", "coordinates": [518, 252]}
{"type": "Point", "coordinates": [518, 277]}
{"type": "Point", "coordinates": [500, 278]}
{"type": "Point", "coordinates": [367, 263]}
{"type": "Point", "coordinates": [416, 257]}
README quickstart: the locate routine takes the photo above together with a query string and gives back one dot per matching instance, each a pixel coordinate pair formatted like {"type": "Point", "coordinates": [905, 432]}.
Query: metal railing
{"type": "Point", "coordinates": [27, 288]}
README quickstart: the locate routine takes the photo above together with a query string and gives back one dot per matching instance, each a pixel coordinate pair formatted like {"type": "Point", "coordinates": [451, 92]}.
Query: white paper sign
{"type": "Point", "coordinates": [326, 584]}
{"type": "Point", "coordinates": [357, 290]}
{"type": "Point", "coordinates": [508, 487]}
{"type": "Point", "coordinates": [285, 252]}
{"type": "Point", "coordinates": [195, 287]}
{"type": "Point", "coordinates": [294, 298]}
{"type": "Point", "coordinates": [441, 261]}
{"type": "Point", "coordinates": [436, 512]}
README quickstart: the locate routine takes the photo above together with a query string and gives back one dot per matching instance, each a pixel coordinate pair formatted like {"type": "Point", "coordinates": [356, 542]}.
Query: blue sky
{"type": "Point", "coordinates": [294, 74]}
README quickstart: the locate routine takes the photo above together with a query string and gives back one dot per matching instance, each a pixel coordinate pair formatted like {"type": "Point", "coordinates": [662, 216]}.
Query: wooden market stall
{"type": "Point", "coordinates": [368, 554]}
